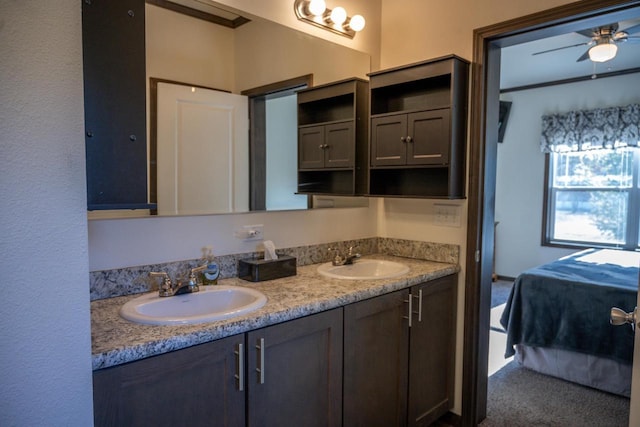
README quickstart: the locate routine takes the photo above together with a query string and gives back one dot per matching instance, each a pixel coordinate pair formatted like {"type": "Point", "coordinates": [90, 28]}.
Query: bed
{"type": "Point", "coordinates": [557, 318]}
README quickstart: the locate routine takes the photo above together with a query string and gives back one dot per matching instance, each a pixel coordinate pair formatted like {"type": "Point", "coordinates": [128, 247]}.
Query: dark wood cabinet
{"type": "Point", "coordinates": [411, 139]}
{"type": "Point", "coordinates": [113, 48]}
{"type": "Point", "coordinates": [400, 371]}
{"type": "Point", "coordinates": [195, 386]}
{"type": "Point", "coordinates": [295, 372]}
{"type": "Point", "coordinates": [376, 352]}
{"type": "Point", "coordinates": [418, 129]}
{"type": "Point", "coordinates": [385, 361]}
{"type": "Point", "coordinates": [432, 350]}
{"type": "Point", "coordinates": [333, 138]}
{"type": "Point", "coordinates": [286, 374]}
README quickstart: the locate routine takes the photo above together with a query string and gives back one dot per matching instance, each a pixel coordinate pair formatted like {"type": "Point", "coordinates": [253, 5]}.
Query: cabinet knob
{"type": "Point", "coordinates": [409, 139]}
{"type": "Point", "coordinates": [403, 139]}
{"type": "Point", "coordinates": [132, 137]}
{"type": "Point", "coordinates": [89, 134]}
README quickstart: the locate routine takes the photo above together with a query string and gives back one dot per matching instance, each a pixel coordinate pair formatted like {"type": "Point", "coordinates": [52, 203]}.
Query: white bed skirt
{"type": "Point", "coordinates": [597, 372]}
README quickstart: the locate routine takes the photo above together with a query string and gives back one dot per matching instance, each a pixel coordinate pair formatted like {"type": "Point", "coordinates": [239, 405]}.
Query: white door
{"type": "Point", "coordinates": [634, 415]}
{"type": "Point", "coordinates": [203, 151]}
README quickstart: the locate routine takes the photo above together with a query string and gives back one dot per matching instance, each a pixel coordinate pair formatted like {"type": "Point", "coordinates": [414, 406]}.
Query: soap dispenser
{"type": "Point", "coordinates": [212, 271]}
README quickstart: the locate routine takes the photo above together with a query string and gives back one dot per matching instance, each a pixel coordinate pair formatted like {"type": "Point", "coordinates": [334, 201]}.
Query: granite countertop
{"type": "Point", "coordinates": [116, 340]}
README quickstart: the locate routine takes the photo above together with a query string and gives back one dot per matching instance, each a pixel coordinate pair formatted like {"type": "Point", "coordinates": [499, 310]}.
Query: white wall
{"type": "Point", "coordinates": [130, 242]}
{"type": "Point", "coordinates": [45, 348]}
{"type": "Point", "coordinates": [520, 166]}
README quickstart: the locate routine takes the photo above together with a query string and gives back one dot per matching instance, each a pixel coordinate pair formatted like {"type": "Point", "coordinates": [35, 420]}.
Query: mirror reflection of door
{"type": "Point", "coordinates": [202, 151]}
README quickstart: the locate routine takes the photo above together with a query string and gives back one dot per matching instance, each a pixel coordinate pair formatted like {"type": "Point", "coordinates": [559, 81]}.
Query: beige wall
{"type": "Point", "coordinates": [414, 30]}
{"type": "Point", "coordinates": [188, 50]}
{"type": "Point", "coordinates": [282, 12]}
{"type": "Point", "coordinates": [287, 53]}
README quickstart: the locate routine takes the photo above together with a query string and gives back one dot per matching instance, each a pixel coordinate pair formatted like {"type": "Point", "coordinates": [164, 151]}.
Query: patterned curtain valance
{"type": "Point", "coordinates": [602, 128]}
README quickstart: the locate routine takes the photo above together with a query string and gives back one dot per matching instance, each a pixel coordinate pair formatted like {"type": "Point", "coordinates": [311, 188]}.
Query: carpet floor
{"type": "Point", "coordinates": [521, 397]}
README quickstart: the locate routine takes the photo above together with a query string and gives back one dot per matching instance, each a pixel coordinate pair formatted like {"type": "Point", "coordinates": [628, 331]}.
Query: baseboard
{"type": "Point", "coordinates": [505, 278]}
{"type": "Point", "coordinates": [449, 419]}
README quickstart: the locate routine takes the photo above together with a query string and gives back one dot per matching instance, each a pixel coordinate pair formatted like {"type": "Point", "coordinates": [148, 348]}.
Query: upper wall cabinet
{"type": "Point", "coordinates": [333, 138]}
{"type": "Point", "coordinates": [419, 129]}
{"type": "Point", "coordinates": [113, 46]}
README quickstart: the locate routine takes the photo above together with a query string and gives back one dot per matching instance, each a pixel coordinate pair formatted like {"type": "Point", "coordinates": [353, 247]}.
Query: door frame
{"type": "Point", "coordinates": [487, 44]}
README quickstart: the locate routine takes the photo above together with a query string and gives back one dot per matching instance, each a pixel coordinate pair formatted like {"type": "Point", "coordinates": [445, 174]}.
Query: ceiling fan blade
{"type": "Point", "coordinates": [587, 33]}
{"type": "Point", "coordinates": [584, 56]}
{"type": "Point", "coordinates": [559, 48]}
{"type": "Point", "coordinates": [632, 30]}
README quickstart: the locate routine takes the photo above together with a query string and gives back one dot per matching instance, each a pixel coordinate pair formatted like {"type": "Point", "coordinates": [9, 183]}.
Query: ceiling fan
{"type": "Point", "coordinates": [603, 45]}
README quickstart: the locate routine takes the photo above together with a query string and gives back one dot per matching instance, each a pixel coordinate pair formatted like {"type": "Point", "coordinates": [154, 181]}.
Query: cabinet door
{"type": "Point", "coordinates": [339, 140]}
{"type": "Point", "coordinates": [375, 361]}
{"type": "Point", "coordinates": [429, 137]}
{"type": "Point", "coordinates": [432, 351]}
{"type": "Point", "coordinates": [113, 46]}
{"type": "Point", "coordinates": [389, 140]}
{"type": "Point", "coordinates": [311, 147]}
{"type": "Point", "coordinates": [295, 372]}
{"type": "Point", "coordinates": [195, 386]}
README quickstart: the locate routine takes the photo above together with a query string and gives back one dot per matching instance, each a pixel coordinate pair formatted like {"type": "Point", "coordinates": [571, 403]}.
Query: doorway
{"type": "Point", "coordinates": [488, 42]}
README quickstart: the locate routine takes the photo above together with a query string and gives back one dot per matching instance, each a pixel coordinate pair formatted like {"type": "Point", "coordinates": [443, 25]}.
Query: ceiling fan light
{"type": "Point", "coordinates": [603, 52]}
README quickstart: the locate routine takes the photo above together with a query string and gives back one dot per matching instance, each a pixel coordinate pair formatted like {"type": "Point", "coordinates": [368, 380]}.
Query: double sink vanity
{"type": "Point", "coordinates": [371, 343]}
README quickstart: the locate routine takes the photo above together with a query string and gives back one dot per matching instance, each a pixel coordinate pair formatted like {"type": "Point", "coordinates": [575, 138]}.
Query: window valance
{"type": "Point", "coordinates": [601, 128]}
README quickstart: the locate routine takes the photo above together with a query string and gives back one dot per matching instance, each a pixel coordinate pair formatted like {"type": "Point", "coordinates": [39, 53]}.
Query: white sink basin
{"type": "Point", "coordinates": [210, 304]}
{"type": "Point", "coordinates": [364, 269]}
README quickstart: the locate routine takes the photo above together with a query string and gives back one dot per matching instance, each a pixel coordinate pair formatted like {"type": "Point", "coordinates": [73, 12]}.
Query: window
{"type": "Point", "coordinates": [593, 198]}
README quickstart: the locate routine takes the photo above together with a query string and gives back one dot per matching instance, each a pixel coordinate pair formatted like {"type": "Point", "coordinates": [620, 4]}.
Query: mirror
{"type": "Point", "coordinates": [193, 51]}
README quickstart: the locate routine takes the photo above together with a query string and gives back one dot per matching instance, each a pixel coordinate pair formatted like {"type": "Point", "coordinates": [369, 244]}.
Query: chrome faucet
{"type": "Point", "coordinates": [169, 289]}
{"type": "Point", "coordinates": [346, 259]}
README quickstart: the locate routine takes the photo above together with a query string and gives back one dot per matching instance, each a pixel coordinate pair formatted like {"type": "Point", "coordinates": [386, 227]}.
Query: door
{"type": "Point", "coordinates": [339, 140]}
{"type": "Point", "coordinates": [432, 351]}
{"type": "Point", "coordinates": [634, 415]}
{"type": "Point", "coordinates": [389, 140]}
{"type": "Point", "coordinates": [620, 318]}
{"type": "Point", "coordinates": [195, 386]}
{"type": "Point", "coordinates": [375, 361]}
{"type": "Point", "coordinates": [311, 147]}
{"type": "Point", "coordinates": [428, 140]}
{"type": "Point", "coordinates": [294, 374]}
{"type": "Point", "coordinates": [203, 151]}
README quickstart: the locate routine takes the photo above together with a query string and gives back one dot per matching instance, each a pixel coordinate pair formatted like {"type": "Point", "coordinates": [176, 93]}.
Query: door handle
{"type": "Point", "coordinates": [260, 368]}
{"type": "Point", "coordinates": [240, 375]}
{"type": "Point", "coordinates": [620, 317]}
{"type": "Point", "coordinates": [410, 302]}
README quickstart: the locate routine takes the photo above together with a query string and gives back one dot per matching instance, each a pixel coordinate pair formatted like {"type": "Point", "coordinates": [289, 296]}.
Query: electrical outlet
{"type": "Point", "coordinates": [250, 232]}
{"type": "Point", "coordinates": [447, 215]}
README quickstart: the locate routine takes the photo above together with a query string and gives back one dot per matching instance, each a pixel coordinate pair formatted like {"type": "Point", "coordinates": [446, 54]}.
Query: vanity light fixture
{"type": "Point", "coordinates": [336, 20]}
{"type": "Point", "coordinates": [603, 51]}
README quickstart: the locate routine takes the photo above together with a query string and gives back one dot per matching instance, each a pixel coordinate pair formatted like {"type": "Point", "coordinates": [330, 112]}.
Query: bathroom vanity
{"type": "Point", "coordinates": [322, 351]}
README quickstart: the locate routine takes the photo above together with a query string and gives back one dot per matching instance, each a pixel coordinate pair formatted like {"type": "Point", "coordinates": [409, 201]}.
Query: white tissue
{"type": "Point", "coordinates": [269, 250]}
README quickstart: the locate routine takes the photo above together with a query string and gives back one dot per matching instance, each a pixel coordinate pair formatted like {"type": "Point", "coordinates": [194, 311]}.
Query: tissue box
{"type": "Point", "coordinates": [258, 270]}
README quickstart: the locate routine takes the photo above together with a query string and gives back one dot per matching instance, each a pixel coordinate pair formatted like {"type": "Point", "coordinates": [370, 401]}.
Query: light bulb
{"type": "Point", "coordinates": [317, 7]}
{"type": "Point", "coordinates": [338, 15]}
{"type": "Point", "coordinates": [356, 23]}
{"type": "Point", "coordinates": [603, 52]}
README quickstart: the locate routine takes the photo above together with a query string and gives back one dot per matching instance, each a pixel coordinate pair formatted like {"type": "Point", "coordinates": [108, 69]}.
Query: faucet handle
{"type": "Point", "coordinates": [193, 281]}
{"type": "Point", "coordinates": [166, 287]}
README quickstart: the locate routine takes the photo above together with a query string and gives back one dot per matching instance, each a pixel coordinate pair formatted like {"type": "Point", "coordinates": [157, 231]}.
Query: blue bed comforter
{"type": "Point", "coordinates": [566, 305]}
